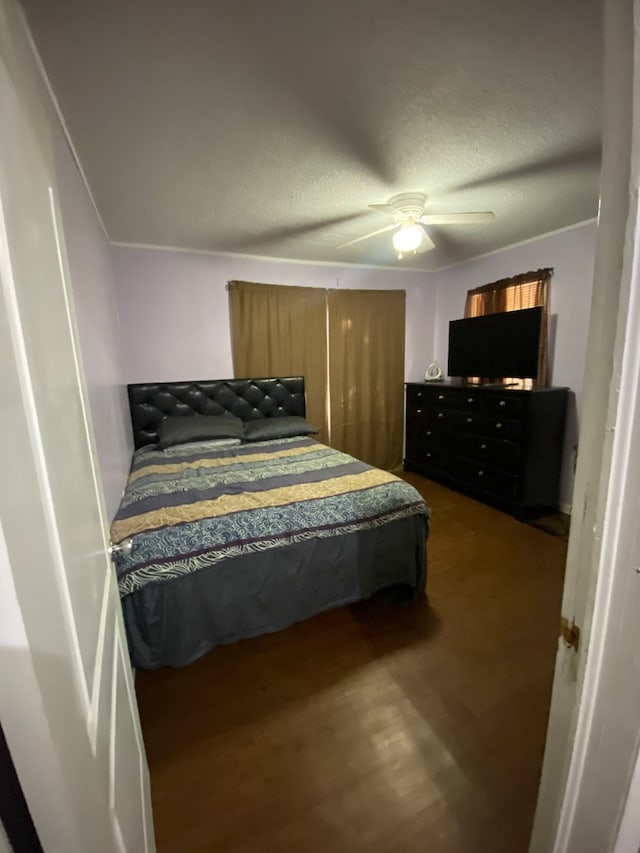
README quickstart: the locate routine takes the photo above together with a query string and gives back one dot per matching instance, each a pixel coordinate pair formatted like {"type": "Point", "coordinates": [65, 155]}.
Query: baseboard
{"type": "Point", "coordinates": [565, 508]}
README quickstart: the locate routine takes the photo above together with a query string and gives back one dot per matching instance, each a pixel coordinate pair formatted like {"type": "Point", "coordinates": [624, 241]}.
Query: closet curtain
{"type": "Point", "coordinates": [528, 290]}
{"type": "Point", "coordinates": [366, 374]}
{"type": "Point", "coordinates": [278, 330]}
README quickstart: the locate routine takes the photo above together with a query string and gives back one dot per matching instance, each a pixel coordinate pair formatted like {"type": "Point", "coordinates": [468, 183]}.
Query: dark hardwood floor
{"type": "Point", "coordinates": [386, 726]}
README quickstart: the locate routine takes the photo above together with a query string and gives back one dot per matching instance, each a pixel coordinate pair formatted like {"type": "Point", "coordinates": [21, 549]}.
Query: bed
{"type": "Point", "coordinates": [225, 539]}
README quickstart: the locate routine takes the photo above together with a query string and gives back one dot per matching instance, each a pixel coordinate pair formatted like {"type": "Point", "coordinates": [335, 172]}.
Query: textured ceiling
{"type": "Point", "coordinates": [265, 127]}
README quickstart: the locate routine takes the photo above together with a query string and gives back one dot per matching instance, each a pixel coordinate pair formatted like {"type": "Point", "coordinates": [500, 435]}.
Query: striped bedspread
{"type": "Point", "coordinates": [190, 507]}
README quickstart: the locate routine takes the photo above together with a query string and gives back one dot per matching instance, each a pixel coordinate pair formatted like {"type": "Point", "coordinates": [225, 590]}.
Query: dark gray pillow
{"type": "Point", "coordinates": [180, 430]}
{"type": "Point", "coordinates": [268, 428]}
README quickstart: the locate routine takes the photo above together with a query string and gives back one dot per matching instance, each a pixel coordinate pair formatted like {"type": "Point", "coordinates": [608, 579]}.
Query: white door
{"type": "Point", "coordinates": [67, 700]}
{"type": "Point", "coordinates": [594, 725]}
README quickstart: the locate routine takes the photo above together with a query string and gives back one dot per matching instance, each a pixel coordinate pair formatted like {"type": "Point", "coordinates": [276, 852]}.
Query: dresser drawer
{"type": "Point", "coordinates": [476, 422]}
{"type": "Point", "coordinates": [487, 477]}
{"type": "Point", "coordinates": [441, 417]}
{"type": "Point", "coordinates": [427, 434]}
{"type": "Point", "coordinates": [470, 421]}
{"type": "Point", "coordinates": [507, 406]}
{"type": "Point", "coordinates": [465, 401]}
{"type": "Point", "coordinates": [442, 398]}
{"type": "Point", "coordinates": [427, 450]}
{"type": "Point", "coordinates": [494, 451]}
{"type": "Point", "coordinates": [437, 456]}
{"type": "Point", "coordinates": [436, 433]}
{"type": "Point", "coordinates": [498, 427]}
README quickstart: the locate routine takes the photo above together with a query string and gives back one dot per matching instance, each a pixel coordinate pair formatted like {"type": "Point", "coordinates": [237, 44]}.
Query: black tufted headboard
{"type": "Point", "coordinates": [247, 399]}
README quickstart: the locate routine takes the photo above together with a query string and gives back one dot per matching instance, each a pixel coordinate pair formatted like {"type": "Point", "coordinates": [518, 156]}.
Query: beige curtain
{"type": "Point", "coordinates": [528, 290]}
{"type": "Point", "coordinates": [282, 331]}
{"type": "Point", "coordinates": [366, 374]}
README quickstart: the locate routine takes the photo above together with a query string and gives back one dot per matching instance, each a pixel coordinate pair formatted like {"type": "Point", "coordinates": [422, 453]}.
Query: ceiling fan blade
{"type": "Point", "coordinates": [259, 239]}
{"type": "Point", "coordinates": [366, 236]}
{"type": "Point", "coordinates": [427, 244]}
{"type": "Point", "coordinates": [387, 209]}
{"type": "Point", "coordinates": [457, 218]}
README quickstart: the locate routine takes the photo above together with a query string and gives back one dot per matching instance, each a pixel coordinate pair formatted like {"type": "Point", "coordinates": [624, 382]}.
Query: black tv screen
{"type": "Point", "coordinates": [496, 345]}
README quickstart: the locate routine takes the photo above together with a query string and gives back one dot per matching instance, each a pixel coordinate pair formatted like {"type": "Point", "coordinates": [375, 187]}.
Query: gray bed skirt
{"type": "Point", "coordinates": [173, 624]}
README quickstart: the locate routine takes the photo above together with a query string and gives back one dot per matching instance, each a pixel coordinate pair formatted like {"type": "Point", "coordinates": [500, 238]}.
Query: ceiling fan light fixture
{"type": "Point", "coordinates": [408, 212]}
{"type": "Point", "coordinates": [407, 238]}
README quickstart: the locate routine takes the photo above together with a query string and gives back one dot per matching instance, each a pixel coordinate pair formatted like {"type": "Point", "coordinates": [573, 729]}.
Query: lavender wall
{"type": "Point", "coordinates": [94, 292]}
{"type": "Point", "coordinates": [571, 253]}
{"type": "Point", "coordinates": [175, 312]}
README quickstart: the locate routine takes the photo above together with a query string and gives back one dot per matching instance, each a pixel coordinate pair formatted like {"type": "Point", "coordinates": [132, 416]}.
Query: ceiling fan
{"type": "Point", "coordinates": [410, 236]}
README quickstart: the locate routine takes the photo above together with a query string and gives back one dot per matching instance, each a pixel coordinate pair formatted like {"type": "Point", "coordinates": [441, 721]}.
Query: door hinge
{"type": "Point", "coordinates": [569, 633]}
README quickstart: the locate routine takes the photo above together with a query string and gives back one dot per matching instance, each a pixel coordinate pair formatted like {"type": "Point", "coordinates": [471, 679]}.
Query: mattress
{"type": "Point", "coordinates": [235, 541]}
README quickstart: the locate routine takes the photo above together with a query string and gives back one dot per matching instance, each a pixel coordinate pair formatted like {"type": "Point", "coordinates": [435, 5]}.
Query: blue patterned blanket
{"type": "Point", "coordinates": [187, 508]}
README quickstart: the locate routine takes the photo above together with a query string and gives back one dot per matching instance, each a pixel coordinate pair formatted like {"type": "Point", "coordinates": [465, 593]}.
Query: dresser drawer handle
{"type": "Point", "coordinates": [483, 447]}
{"type": "Point", "coordinates": [428, 432]}
{"type": "Point", "coordinates": [418, 411]}
{"type": "Point", "coordinates": [498, 425]}
{"type": "Point", "coordinates": [419, 394]}
{"type": "Point", "coordinates": [480, 473]}
{"type": "Point", "coordinates": [469, 420]}
{"type": "Point", "coordinates": [469, 399]}
{"type": "Point", "coordinates": [502, 403]}
{"type": "Point", "coordinates": [440, 396]}
{"type": "Point", "coordinates": [428, 456]}
{"type": "Point", "coordinates": [440, 414]}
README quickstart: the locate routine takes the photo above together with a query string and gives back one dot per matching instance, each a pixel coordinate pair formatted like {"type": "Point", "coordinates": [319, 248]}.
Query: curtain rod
{"type": "Point", "coordinates": [532, 275]}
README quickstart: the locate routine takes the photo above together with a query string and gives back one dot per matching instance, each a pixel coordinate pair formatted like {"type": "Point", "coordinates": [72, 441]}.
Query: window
{"type": "Point", "coordinates": [528, 290]}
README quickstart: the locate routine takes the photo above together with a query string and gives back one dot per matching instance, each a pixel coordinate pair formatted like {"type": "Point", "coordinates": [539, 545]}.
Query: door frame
{"type": "Point", "coordinates": [598, 564]}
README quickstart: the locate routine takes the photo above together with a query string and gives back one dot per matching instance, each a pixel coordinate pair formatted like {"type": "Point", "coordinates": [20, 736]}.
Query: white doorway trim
{"type": "Point", "coordinates": [595, 716]}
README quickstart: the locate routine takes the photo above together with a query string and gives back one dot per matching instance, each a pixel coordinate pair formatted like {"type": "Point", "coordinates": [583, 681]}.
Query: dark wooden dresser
{"type": "Point", "coordinates": [500, 445]}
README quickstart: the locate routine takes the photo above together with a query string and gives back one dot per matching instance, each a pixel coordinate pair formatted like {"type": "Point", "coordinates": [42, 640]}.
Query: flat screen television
{"type": "Point", "coordinates": [496, 345]}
